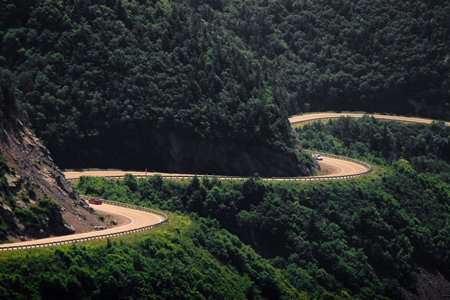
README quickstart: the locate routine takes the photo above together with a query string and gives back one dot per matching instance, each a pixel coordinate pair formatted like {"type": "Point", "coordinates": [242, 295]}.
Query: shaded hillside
{"type": "Point", "coordinates": [35, 199]}
{"type": "Point", "coordinates": [145, 84]}
{"type": "Point", "coordinates": [379, 55]}
{"type": "Point", "coordinates": [205, 85]}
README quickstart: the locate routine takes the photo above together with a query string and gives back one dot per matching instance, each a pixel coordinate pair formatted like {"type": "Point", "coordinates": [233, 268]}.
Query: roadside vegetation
{"type": "Point", "coordinates": [40, 217]}
{"type": "Point", "coordinates": [366, 238]}
{"type": "Point", "coordinates": [369, 238]}
{"type": "Point", "coordinates": [186, 259]}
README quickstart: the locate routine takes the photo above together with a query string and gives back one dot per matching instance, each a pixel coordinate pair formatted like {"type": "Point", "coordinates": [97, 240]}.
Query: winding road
{"type": "Point", "coordinates": [334, 167]}
{"type": "Point", "coordinates": [138, 219]}
{"type": "Point", "coordinates": [309, 117]}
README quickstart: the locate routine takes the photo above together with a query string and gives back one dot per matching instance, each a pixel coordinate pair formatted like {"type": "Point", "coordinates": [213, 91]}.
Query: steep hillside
{"type": "Point", "coordinates": [145, 84]}
{"type": "Point", "coordinates": [371, 55]}
{"type": "Point", "coordinates": [35, 199]}
{"type": "Point", "coordinates": [375, 238]}
{"type": "Point", "coordinates": [206, 85]}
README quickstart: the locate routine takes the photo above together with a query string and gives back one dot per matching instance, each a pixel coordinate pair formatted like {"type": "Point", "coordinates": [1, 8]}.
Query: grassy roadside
{"type": "Point", "coordinates": [178, 224]}
{"type": "Point", "coordinates": [188, 258]}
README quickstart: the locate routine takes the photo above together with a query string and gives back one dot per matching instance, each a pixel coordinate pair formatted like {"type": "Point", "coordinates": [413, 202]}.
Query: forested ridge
{"type": "Point", "coordinates": [149, 85]}
{"type": "Point", "coordinates": [382, 56]}
{"type": "Point", "coordinates": [205, 86]}
{"type": "Point", "coordinates": [384, 236]}
{"type": "Point", "coordinates": [109, 83]}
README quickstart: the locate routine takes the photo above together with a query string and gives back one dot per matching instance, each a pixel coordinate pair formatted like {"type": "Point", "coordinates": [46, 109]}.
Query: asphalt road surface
{"type": "Point", "coordinates": [136, 219]}
{"type": "Point", "coordinates": [331, 167]}
{"type": "Point", "coordinates": [299, 119]}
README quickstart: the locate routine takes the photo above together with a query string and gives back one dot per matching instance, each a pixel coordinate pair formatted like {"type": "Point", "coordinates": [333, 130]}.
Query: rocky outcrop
{"type": "Point", "coordinates": [35, 198]}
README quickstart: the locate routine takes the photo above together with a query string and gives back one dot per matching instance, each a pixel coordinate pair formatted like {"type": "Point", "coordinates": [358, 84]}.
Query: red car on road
{"type": "Point", "coordinates": [95, 201]}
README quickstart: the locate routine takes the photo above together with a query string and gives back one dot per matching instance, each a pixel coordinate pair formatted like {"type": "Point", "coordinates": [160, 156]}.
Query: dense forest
{"type": "Point", "coordinates": [368, 239]}
{"type": "Point", "coordinates": [183, 260]}
{"type": "Point", "coordinates": [381, 55]}
{"type": "Point", "coordinates": [111, 86]}
{"type": "Point", "coordinates": [109, 83]}
{"type": "Point", "coordinates": [206, 86]}
{"type": "Point", "coordinates": [382, 236]}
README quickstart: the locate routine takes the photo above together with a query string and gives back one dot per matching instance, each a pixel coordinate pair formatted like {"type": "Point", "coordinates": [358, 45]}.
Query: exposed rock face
{"type": "Point", "coordinates": [35, 198]}
{"type": "Point", "coordinates": [171, 151]}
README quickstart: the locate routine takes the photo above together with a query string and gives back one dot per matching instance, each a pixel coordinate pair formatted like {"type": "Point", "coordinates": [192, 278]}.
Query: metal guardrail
{"type": "Point", "coordinates": [97, 237]}
{"type": "Point", "coordinates": [303, 178]}
{"type": "Point", "coordinates": [165, 220]}
{"type": "Point", "coordinates": [307, 178]}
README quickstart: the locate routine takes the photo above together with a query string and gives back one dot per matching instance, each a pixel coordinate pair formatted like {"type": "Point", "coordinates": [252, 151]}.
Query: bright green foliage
{"type": "Point", "coordinates": [182, 261]}
{"type": "Point", "coordinates": [365, 237]}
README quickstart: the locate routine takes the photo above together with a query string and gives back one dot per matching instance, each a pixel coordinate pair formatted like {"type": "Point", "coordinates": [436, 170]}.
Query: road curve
{"type": "Point", "coordinates": [335, 167]}
{"type": "Point", "coordinates": [137, 219]}
{"type": "Point", "coordinates": [309, 117]}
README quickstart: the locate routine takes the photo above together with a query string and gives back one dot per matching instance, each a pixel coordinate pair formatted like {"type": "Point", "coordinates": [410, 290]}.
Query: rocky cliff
{"type": "Point", "coordinates": [35, 198]}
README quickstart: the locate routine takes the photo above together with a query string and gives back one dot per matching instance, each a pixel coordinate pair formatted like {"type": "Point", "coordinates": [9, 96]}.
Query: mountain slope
{"type": "Point", "coordinates": [381, 55]}
{"type": "Point", "coordinates": [35, 199]}
{"type": "Point", "coordinates": [145, 85]}
{"type": "Point", "coordinates": [206, 86]}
